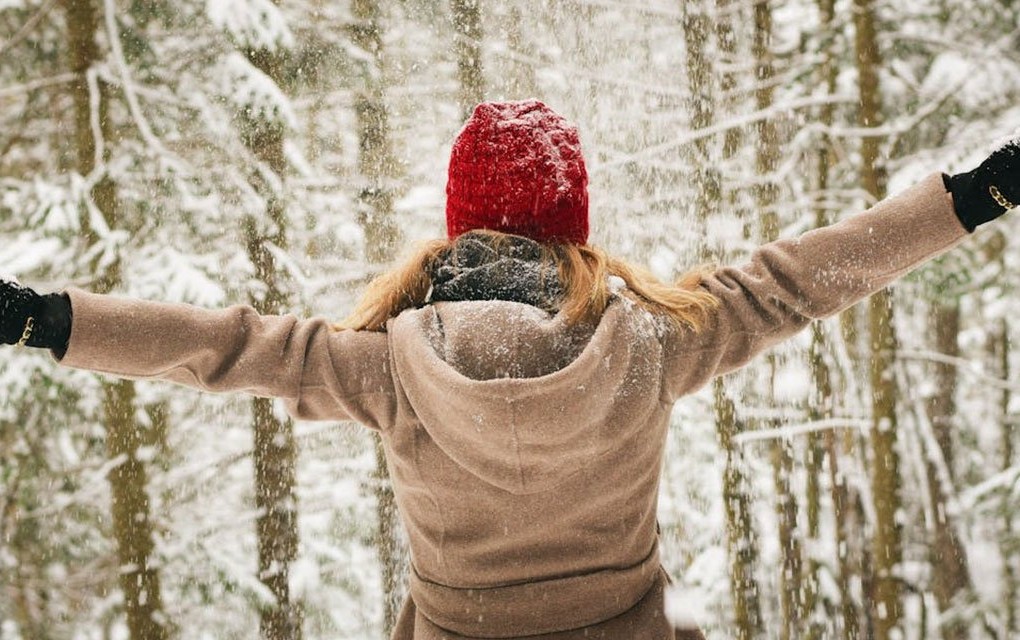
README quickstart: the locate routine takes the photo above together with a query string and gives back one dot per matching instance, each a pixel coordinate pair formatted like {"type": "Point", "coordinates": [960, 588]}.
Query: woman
{"type": "Point", "coordinates": [521, 380]}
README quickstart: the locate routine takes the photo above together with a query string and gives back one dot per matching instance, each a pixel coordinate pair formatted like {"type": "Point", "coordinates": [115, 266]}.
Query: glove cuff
{"type": "Point", "coordinates": [52, 328]}
{"type": "Point", "coordinates": [973, 200]}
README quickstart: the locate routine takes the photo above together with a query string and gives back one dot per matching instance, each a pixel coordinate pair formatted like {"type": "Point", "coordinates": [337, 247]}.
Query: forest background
{"type": "Point", "coordinates": [860, 481]}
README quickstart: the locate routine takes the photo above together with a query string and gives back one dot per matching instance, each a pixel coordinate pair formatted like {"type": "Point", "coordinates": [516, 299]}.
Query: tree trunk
{"type": "Point", "coordinates": [467, 23]}
{"type": "Point", "coordinates": [823, 402]}
{"type": "Point", "coordinates": [822, 408]}
{"type": "Point", "coordinates": [521, 81]}
{"type": "Point", "coordinates": [376, 169]}
{"type": "Point", "coordinates": [791, 596]}
{"type": "Point", "coordinates": [274, 451]}
{"type": "Point", "coordinates": [1001, 351]}
{"type": "Point", "coordinates": [741, 539]}
{"type": "Point", "coordinates": [132, 522]}
{"type": "Point", "coordinates": [766, 195]}
{"type": "Point", "coordinates": [950, 578]}
{"type": "Point", "coordinates": [999, 354]}
{"type": "Point", "coordinates": [819, 408]}
{"type": "Point", "coordinates": [726, 43]}
{"type": "Point", "coordinates": [852, 561]}
{"type": "Point", "coordinates": [387, 540]}
{"type": "Point", "coordinates": [887, 551]}
{"type": "Point", "coordinates": [701, 107]}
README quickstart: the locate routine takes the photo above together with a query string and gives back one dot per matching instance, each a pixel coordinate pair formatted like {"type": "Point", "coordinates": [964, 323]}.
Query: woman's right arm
{"type": "Point", "coordinates": [788, 283]}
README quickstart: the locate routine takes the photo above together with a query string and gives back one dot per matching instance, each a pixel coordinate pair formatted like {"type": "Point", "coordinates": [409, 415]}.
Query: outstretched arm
{"type": "Point", "coordinates": [320, 372]}
{"type": "Point", "coordinates": [788, 283]}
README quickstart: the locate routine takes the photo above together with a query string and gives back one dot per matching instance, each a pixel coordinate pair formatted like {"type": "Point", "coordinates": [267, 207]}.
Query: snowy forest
{"type": "Point", "coordinates": [859, 481]}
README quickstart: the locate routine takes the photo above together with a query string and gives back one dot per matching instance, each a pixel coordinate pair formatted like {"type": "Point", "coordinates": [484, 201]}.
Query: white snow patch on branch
{"type": "Point", "coordinates": [252, 91]}
{"type": "Point", "coordinates": [789, 431]}
{"type": "Point", "coordinates": [253, 23]}
{"type": "Point", "coordinates": [128, 86]}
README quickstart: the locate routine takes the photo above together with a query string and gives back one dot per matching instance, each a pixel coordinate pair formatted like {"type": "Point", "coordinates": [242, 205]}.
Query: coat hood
{"type": "Point", "coordinates": [511, 393]}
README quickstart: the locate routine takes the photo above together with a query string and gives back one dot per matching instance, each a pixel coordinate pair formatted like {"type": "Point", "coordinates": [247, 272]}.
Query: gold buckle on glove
{"type": "Point", "coordinates": [27, 333]}
{"type": "Point", "coordinates": [1001, 199]}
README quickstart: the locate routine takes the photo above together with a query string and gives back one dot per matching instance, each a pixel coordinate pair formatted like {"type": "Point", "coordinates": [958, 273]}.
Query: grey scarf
{"type": "Point", "coordinates": [475, 268]}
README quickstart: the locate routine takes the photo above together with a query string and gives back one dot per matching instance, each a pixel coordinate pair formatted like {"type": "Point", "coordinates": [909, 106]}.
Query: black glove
{"type": "Point", "coordinates": [989, 191]}
{"type": "Point", "coordinates": [34, 320]}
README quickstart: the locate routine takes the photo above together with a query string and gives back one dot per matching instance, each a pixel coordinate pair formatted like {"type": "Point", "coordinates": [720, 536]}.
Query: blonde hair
{"type": "Point", "coordinates": [584, 272]}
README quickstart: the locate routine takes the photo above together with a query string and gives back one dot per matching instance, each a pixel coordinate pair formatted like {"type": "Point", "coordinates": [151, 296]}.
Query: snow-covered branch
{"type": "Point", "coordinates": [32, 85]}
{"type": "Point", "coordinates": [127, 83]}
{"type": "Point", "coordinates": [965, 366]}
{"type": "Point", "coordinates": [789, 431]}
{"type": "Point", "coordinates": [26, 28]}
{"type": "Point", "coordinates": [736, 122]}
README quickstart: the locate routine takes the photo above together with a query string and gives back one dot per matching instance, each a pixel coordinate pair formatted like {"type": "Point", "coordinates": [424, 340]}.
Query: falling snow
{"type": "Point", "coordinates": [671, 100]}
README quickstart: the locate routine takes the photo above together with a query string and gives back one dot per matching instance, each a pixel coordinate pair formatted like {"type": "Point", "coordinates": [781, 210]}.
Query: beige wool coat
{"type": "Point", "coordinates": [525, 455]}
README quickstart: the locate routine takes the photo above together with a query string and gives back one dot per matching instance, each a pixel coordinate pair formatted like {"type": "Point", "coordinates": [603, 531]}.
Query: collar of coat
{"type": "Point", "coordinates": [515, 269]}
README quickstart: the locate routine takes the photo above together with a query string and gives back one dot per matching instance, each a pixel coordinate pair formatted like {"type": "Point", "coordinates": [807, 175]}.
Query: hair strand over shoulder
{"type": "Point", "coordinates": [584, 271]}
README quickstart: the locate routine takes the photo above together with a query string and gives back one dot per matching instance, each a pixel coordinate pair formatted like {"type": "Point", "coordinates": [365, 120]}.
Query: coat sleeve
{"type": "Point", "coordinates": [788, 283]}
{"type": "Point", "coordinates": [321, 373]}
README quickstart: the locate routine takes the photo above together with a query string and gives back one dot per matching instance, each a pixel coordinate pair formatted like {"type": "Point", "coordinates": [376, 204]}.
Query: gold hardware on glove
{"type": "Point", "coordinates": [27, 333]}
{"type": "Point", "coordinates": [1001, 199]}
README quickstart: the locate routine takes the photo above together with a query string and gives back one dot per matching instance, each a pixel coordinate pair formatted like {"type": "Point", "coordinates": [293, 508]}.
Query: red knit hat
{"type": "Point", "coordinates": [516, 167]}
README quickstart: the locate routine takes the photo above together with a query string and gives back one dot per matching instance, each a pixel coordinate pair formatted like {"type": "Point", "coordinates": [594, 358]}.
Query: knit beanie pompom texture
{"type": "Point", "coordinates": [516, 167]}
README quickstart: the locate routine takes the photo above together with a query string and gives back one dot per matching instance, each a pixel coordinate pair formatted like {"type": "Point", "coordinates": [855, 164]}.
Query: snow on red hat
{"type": "Point", "coordinates": [517, 167]}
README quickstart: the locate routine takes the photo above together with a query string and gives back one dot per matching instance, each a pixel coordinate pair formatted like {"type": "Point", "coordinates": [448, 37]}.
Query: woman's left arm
{"type": "Point", "coordinates": [320, 372]}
